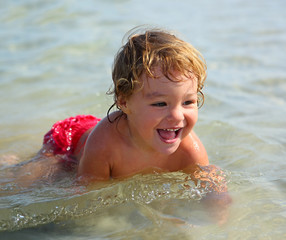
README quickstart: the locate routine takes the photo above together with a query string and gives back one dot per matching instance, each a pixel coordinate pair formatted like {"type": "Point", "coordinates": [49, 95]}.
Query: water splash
{"type": "Point", "coordinates": [47, 204]}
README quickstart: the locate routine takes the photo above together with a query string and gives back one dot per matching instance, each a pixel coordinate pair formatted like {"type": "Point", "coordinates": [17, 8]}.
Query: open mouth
{"type": "Point", "coordinates": [169, 134]}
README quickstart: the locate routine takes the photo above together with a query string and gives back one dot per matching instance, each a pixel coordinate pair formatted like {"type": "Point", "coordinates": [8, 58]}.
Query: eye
{"type": "Point", "coordinates": [159, 104]}
{"type": "Point", "coordinates": [189, 102]}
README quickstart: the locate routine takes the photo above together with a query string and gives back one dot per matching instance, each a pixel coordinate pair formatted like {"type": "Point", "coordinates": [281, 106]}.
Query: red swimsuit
{"type": "Point", "coordinates": [65, 134]}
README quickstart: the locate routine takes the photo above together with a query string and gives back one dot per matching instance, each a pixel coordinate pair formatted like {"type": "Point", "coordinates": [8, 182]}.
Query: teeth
{"type": "Point", "coordinates": [170, 130]}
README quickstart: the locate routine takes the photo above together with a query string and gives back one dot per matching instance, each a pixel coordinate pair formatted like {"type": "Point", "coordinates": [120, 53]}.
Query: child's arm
{"type": "Point", "coordinates": [209, 178]}
{"type": "Point", "coordinates": [193, 151]}
{"type": "Point", "coordinates": [217, 200]}
{"type": "Point", "coordinates": [199, 151]}
{"type": "Point", "coordinates": [94, 164]}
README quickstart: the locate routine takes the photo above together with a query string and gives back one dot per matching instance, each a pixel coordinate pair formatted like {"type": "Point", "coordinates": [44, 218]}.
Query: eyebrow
{"type": "Point", "coordinates": [156, 94]}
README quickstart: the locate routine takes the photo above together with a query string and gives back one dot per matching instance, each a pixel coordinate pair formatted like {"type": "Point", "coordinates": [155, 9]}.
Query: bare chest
{"type": "Point", "coordinates": [133, 162]}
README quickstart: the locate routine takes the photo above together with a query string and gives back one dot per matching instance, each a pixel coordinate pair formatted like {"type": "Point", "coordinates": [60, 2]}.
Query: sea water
{"type": "Point", "coordinates": [55, 62]}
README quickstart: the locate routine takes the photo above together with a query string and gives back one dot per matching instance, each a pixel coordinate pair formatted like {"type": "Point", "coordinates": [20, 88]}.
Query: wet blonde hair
{"type": "Point", "coordinates": [155, 47]}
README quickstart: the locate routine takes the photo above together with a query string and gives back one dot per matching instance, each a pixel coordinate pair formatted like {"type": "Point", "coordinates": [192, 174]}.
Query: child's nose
{"type": "Point", "coordinates": [175, 115]}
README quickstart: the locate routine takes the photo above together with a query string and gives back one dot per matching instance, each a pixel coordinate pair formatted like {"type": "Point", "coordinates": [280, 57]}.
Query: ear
{"type": "Point", "coordinates": [123, 105]}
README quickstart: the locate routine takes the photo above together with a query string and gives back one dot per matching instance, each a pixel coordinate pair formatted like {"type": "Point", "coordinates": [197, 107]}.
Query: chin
{"type": "Point", "coordinates": [168, 150]}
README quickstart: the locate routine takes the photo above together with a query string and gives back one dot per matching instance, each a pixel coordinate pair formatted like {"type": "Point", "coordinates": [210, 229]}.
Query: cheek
{"type": "Point", "coordinates": [141, 120]}
{"type": "Point", "coordinates": [147, 116]}
{"type": "Point", "coordinates": [193, 117]}
{"type": "Point", "coordinates": [148, 123]}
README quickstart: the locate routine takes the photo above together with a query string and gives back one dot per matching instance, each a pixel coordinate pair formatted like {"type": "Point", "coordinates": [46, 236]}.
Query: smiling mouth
{"type": "Point", "coordinates": [169, 134]}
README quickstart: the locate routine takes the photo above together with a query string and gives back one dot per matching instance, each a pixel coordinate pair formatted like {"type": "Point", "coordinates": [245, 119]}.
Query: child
{"type": "Point", "coordinates": [158, 80]}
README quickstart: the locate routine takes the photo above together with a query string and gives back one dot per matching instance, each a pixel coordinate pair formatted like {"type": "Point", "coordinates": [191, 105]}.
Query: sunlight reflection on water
{"type": "Point", "coordinates": [55, 61]}
{"type": "Point", "coordinates": [45, 203]}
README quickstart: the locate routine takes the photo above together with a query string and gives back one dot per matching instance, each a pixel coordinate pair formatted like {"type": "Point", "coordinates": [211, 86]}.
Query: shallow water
{"type": "Point", "coordinates": [55, 61]}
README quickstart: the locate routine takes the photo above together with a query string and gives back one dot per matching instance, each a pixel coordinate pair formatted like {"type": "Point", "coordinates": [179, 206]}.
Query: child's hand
{"type": "Point", "coordinates": [217, 200]}
{"type": "Point", "coordinates": [210, 178]}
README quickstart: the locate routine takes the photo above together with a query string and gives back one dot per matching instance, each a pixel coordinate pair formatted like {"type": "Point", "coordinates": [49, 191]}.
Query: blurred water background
{"type": "Point", "coordinates": [55, 62]}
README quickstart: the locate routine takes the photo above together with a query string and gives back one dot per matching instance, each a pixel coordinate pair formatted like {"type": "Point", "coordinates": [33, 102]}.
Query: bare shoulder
{"type": "Point", "coordinates": [192, 148]}
{"type": "Point", "coordinates": [99, 151]}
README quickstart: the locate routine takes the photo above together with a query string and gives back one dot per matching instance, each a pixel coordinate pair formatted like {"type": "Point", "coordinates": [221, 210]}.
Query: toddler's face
{"type": "Point", "coordinates": [163, 112]}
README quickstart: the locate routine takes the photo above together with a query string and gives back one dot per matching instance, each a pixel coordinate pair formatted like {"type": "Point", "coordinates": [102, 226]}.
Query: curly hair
{"type": "Point", "coordinates": [155, 47]}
